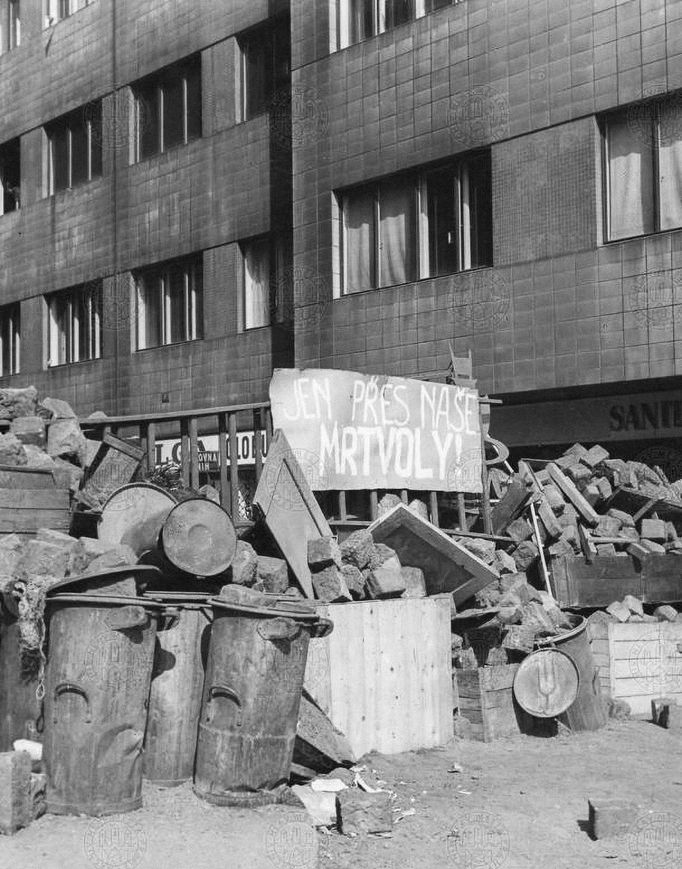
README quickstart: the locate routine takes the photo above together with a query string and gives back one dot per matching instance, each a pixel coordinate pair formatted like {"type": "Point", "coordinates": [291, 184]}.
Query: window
{"type": "Point", "coordinates": [75, 324]}
{"type": "Point", "coordinates": [168, 108]}
{"type": "Point", "coordinates": [360, 19]}
{"type": "Point", "coordinates": [75, 148]}
{"type": "Point", "coordinates": [169, 303]}
{"type": "Point", "coordinates": [257, 283]}
{"type": "Point", "coordinates": [265, 67]}
{"type": "Point", "coordinates": [643, 159]}
{"type": "Point", "coordinates": [9, 339]}
{"type": "Point", "coordinates": [10, 176]}
{"type": "Point", "coordinates": [10, 25]}
{"type": "Point", "coordinates": [55, 10]}
{"type": "Point", "coordinates": [418, 225]}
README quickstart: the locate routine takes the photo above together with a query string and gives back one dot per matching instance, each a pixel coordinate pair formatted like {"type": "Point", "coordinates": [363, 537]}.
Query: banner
{"type": "Point", "coordinates": [359, 431]}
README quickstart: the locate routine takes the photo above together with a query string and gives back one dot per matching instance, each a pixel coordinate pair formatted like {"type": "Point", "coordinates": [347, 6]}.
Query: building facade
{"type": "Point", "coordinates": [502, 176]}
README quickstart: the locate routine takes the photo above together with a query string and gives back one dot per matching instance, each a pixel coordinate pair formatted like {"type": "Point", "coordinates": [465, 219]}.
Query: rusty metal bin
{"type": "Point", "coordinates": [177, 684]}
{"type": "Point", "coordinates": [100, 655]}
{"type": "Point", "coordinates": [252, 693]}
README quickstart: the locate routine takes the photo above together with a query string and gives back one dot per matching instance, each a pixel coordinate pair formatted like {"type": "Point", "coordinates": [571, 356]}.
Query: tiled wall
{"type": "Point", "coordinates": [527, 78]}
{"type": "Point", "coordinates": [204, 196]}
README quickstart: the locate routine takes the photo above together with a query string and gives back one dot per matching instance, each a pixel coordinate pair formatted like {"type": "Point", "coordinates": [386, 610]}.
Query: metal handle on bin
{"type": "Point", "coordinates": [62, 688]}
{"type": "Point", "coordinates": [323, 628]}
{"type": "Point", "coordinates": [228, 692]}
{"type": "Point", "coordinates": [171, 618]}
{"type": "Point", "coordinates": [280, 628]}
{"type": "Point", "coordinates": [125, 617]}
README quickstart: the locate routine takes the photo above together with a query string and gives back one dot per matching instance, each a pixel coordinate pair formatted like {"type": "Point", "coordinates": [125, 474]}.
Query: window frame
{"type": "Point", "coordinates": [59, 10]}
{"type": "Point", "coordinates": [273, 82]}
{"type": "Point", "coordinates": [193, 289]}
{"type": "Point", "coordinates": [63, 308]}
{"type": "Point", "coordinates": [68, 123]}
{"type": "Point", "coordinates": [419, 251]}
{"type": "Point", "coordinates": [158, 84]}
{"type": "Point", "coordinates": [380, 15]}
{"type": "Point", "coordinates": [10, 330]}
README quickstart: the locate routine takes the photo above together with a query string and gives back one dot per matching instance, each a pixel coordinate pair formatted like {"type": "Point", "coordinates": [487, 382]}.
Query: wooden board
{"type": "Point", "coordinates": [25, 511]}
{"type": "Point", "coordinates": [573, 495]}
{"type": "Point", "coordinates": [511, 504]}
{"type": "Point", "coordinates": [290, 509]}
{"type": "Point", "coordinates": [25, 478]}
{"type": "Point", "coordinates": [447, 565]}
{"type": "Point", "coordinates": [656, 579]}
{"type": "Point", "coordinates": [486, 699]}
{"type": "Point", "coordinates": [384, 674]}
{"type": "Point", "coordinates": [639, 662]}
{"type": "Point", "coordinates": [632, 501]}
{"type": "Point", "coordinates": [114, 466]}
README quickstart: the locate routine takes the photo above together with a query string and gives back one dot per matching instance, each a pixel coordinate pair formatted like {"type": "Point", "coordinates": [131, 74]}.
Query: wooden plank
{"type": "Point", "coordinates": [511, 505]}
{"type": "Point", "coordinates": [573, 495]}
{"type": "Point", "coordinates": [290, 508]}
{"type": "Point", "coordinates": [26, 478]}
{"type": "Point", "coordinates": [28, 521]}
{"type": "Point", "coordinates": [661, 578]}
{"type": "Point", "coordinates": [447, 565]}
{"type": "Point", "coordinates": [34, 499]}
{"type": "Point", "coordinates": [234, 466]}
{"type": "Point", "coordinates": [384, 674]}
{"type": "Point", "coordinates": [552, 527]}
{"type": "Point", "coordinates": [222, 464]}
{"type": "Point", "coordinates": [124, 446]}
{"type": "Point", "coordinates": [609, 578]}
{"type": "Point", "coordinates": [193, 453]}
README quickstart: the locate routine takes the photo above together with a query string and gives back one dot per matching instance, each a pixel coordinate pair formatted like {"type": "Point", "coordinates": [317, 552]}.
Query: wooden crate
{"type": "Point", "coordinates": [486, 699]}
{"type": "Point", "coordinates": [29, 500]}
{"type": "Point", "coordinates": [384, 674]}
{"type": "Point", "coordinates": [639, 662]}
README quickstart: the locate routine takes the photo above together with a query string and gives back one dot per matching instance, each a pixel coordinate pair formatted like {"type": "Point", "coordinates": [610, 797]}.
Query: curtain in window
{"type": "Point", "coordinates": [358, 209]}
{"type": "Point", "coordinates": [257, 285]}
{"type": "Point", "coordinates": [361, 23]}
{"type": "Point", "coordinates": [396, 233]}
{"type": "Point", "coordinates": [631, 201]}
{"type": "Point", "coordinates": [670, 166]}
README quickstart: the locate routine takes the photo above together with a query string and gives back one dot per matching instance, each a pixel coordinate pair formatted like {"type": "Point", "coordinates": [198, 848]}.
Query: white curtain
{"type": "Point", "coordinates": [257, 285]}
{"type": "Point", "coordinates": [358, 212]}
{"type": "Point", "coordinates": [631, 199]}
{"type": "Point", "coordinates": [670, 166]}
{"type": "Point", "coordinates": [396, 233]}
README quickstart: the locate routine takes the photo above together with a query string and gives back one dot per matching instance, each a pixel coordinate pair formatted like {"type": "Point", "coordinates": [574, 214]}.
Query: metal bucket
{"type": "Point", "coordinates": [587, 712]}
{"type": "Point", "coordinates": [177, 685]}
{"type": "Point", "coordinates": [100, 656]}
{"type": "Point", "coordinates": [198, 537]}
{"type": "Point", "coordinates": [252, 693]}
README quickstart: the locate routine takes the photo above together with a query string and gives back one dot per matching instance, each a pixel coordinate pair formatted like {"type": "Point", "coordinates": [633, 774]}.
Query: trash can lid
{"type": "Point", "coordinates": [115, 574]}
{"type": "Point", "coordinates": [198, 537]}
{"type": "Point", "coordinates": [546, 683]}
{"type": "Point", "coordinates": [246, 600]}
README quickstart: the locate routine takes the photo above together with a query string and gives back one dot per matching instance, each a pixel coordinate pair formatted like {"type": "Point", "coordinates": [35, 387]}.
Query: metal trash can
{"type": "Point", "coordinates": [177, 685]}
{"type": "Point", "coordinates": [252, 693]}
{"type": "Point", "coordinates": [100, 655]}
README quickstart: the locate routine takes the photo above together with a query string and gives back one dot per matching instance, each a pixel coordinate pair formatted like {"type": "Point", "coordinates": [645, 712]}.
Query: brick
{"type": "Point", "coordinates": [357, 548]}
{"type": "Point", "coordinates": [386, 580]}
{"type": "Point", "coordinates": [245, 564]}
{"type": "Point", "coordinates": [330, 585]}
{"type": "Point", "coordinates": [577, 451]}
{"type": "Point", "coordinates": [611, 816]}
{"type": "Point", "coordinates": [594, 456]}
{"type": "Point", "coordinates": [592, 494]}
{"type": "Point", "coordinates": [608, 526]}
{"type": "Point", "coordinates": [654, 529]}
{"type": "Point", "coordinates": [359, 812]}
{"type": "Point", "coordinates": [554, 497]}
{"type": "Point", "coordinates": [29, 430]}
{"type": "Point", "coordinates": [16, 806]}
{"type": "Point", "coordinates": [272, 574]}
{"type": "Point", "coordinates": [413, 578]}
{"type": "Point", "coordinates": [580, 475]}
{"type": "Point", "coordinates": [323, 552]}
{"type": "Point", "coordinates": [604, 487]}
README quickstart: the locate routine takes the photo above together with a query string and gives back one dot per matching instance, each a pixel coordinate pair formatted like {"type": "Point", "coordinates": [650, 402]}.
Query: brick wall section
{"type": "Point", "coordinates": [559, 308]}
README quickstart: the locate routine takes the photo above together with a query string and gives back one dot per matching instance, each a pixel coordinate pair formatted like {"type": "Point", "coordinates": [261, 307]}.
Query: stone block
{"type": "Point", "coordinates": [38, 794]}
{"type": "Point", "coordinates": [577, 451]}
{"type": "Point", "coordinates": [18, 402]}
{"type": "Point", "coordinates": [536, 616]}
{"type": "Point", "coordinates": [116, 556]}
{"type": "Point", "coordinates": [42, 559]}
{"type": "Point", "coordinates": [666, 613]}
{"type": "Point", "coordinates": [65, 438]}
{"type": "Point", "coordinates": [525, 554]}
{"type": "Point", "coordinates": [652, 546]}
{"type": "Point", "coordinates": [36, 457]}
{"type": "Point", "coordinates": [354, 580]}
{"type": "Point", "coordinates": [608, 526]}
{"type": "Point", "coordinates": [554, 498]}
{"type": "Point", "coordinates": [594, 456]}
{"type": "Point", "coordinates": [618, 610]}
{"type": "Point", "coordinates": [12, 452]}
{"type": "Point", "coordinates": [419, 508]}
{"type": "Point", "coordinates": [57, 409]}
{"type": "Point", "coordinates": [511, 580]}
{"type": "Point", "coordinates": [357, 548]}
{"type": "Point", "coordinates": [520, 529]}
{"type": "Point", "coordinates": [29, 430]}
{"type": "Point", "coordinates": [379, 554]}
{"type": "Point", "coordinates": [604, 487]}
{"type": "Point", "coordinates": [323, 552]}
{"type": "Point", "coordinates": [625, 518]}
{"type": "Point", "coordinates": [592, 494]}
{"type": "Point", "coordinates": [386, 580]}
{"type": "Point", "coordinates": [561, 547]}
{"type": "Point", "coordinates": [519, 638]}
{"type": "Point", "coordinates": [634, 604]}
{"type": "Point", "coordinates": [481, 548]}
{"type": "Point", "coordinates": [272, 573]}
{"type": "Point", "coordinates": [504, 562]}
{"type": "Point", "coordinates": [611, 816]}
{"type": "Point", "coordinates": [413, 578]}
{"type": "Point", "coordinates": [244, 565]}
{"type": "Point", "coordinates": [359, 812]}
{"type": "Point", "coordinates": [654, 529]}
{"type": "Point", "coordinates": [16, 806]}
{"type": "Point", "coordinates": [580, 475]}
{"type": "Point", "coordinates": [67, 475]}
{"type": "Point", "coordinates": [488, 596]}
{"type": "Point", "coordinates": [605, 549]}
{"type": "Point", "coordinates": [330, 585]}
{"type": "Point", "coordinates": [387, 503]}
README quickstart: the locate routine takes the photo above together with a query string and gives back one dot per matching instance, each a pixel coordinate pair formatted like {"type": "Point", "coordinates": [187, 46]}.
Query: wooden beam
{"type": "Point", "coordinates": [573, 495]}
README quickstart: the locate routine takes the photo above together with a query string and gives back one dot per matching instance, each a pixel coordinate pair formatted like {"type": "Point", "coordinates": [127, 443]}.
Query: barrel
{"type": "Point", "coordinates": [177, 685]}
{"type": "Point", "coordinates": [19, 706]}
{"type": "Point", "coordinates": [134, 515]}
{"type": "Point", "coordinates": [100, 656]}
{"type": "Point", "coordinates": [587, 712]}
{"type": "Point", "coordinates": [252, 692]}
{"type": "Point", "coordinates": [199, 538]}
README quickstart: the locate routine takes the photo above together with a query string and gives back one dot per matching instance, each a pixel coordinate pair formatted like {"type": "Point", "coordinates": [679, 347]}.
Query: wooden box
{"type": "Point", "coordinates": [486, 699]}
{"type": "Point", "coordinates": [384, 674]}
{"type": "Point", "coordinates": [29, 500]}
{"type": "Point", "coordinates": [639, 662]}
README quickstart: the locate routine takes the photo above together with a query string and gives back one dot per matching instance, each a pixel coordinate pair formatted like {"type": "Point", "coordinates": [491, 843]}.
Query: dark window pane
{"type": "Point", "coordinates": [153, 310]}
{"type": "Point", "coordinates": [198, 302]}
{"type": "Point", "coordinates": [95, 117]}
{"type": "Point", "coordinates": [361, 24]}
{"type": "Point", "coordinates": [432, 5]}
{"type": "Point", "coordinates": [481, 211]}
{"type": "Point", "coordinates": [281, 57]}
{"type": "Point", "coordinates": [59, 139]}
{"type": "Point", "coordinates": [10, 175]}
{"type": "Point", "coordinates": [194, 102]}
{"type": "Point", "coordinates": [79, 152]}
{"type": "Point", "coordinates": [173, 113]}
{"type": "Point", "coordinates": [398, 12]}
{"type": "Point", "coordinates": [257, 74]}
{"type": "Point", "coordinates": [64, 8]}
{"type": "Point", "coordinates": [175, 288]}
{"type": "Point", "coordinates": [148, 121]}
{"type": "Point", "coordinates": [441, 194]}
{"type": "Point", "coordinates": [360, 254]}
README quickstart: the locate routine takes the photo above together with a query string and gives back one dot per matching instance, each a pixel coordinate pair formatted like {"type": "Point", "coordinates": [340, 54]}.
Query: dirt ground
{"type": "Point", "coordinates": [520, 802]}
